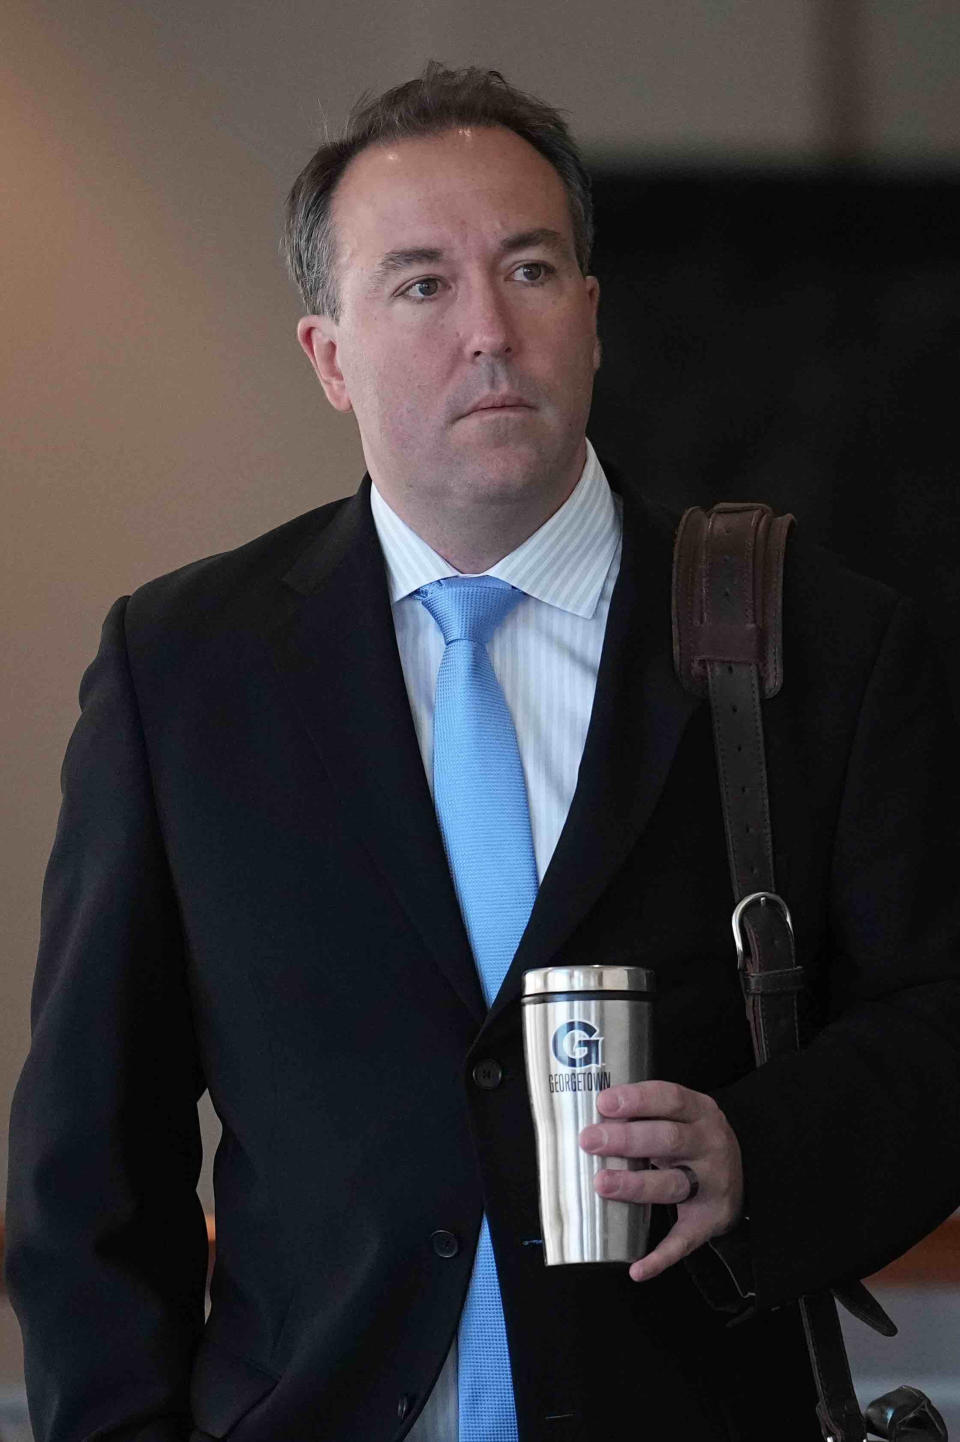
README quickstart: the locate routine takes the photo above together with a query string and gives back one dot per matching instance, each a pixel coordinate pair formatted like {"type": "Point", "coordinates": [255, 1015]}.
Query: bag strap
{"type": "Point", "coordinates": [727, 642]}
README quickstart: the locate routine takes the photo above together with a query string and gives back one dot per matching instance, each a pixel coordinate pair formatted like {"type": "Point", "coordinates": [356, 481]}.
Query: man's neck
{"type": "Point", "coordinates": [473, 549]}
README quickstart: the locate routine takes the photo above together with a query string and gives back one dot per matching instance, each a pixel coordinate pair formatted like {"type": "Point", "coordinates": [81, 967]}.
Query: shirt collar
{"type": "Point", "coordinates": [564, 562]}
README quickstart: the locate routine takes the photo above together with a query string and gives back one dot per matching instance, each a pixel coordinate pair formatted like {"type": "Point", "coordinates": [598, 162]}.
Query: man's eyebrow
{"type": "Point", "coordinates": [397, 260]}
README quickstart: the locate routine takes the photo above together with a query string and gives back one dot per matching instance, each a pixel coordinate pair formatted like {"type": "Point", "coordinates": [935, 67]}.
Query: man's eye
{"type": "Point", "coordinates": [430, 280]}
{"type": "Point", "coordinates": [435, 280]}
{"type": "Point", "coordinates": [536, 265]}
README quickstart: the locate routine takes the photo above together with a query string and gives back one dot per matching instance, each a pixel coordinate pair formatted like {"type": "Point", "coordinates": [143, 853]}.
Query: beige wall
{"type": "Point", "coordinates": [156, 406]}
{"type": "Point", "coordinates": [911, 60]}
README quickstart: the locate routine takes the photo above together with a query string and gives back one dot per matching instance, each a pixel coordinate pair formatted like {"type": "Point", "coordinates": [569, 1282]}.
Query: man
{"type": "Point", "coordinates": [266, 881]}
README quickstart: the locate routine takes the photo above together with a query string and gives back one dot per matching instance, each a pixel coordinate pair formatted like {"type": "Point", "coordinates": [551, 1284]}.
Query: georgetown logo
{"type": "Point", "coordinates": [577, 1043]}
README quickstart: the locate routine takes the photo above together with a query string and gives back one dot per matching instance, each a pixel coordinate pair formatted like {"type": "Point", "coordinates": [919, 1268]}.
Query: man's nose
{"type": "Point", "coordinates": [489, 323]}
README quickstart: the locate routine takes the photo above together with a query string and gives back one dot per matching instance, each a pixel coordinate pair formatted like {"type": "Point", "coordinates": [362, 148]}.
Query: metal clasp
{"type": "Point", "coordinates": [763, 897]}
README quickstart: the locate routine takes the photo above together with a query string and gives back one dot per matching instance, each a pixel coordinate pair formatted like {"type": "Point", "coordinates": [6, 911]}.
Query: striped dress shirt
{"type": "Point", "coordinates": [545, 655]}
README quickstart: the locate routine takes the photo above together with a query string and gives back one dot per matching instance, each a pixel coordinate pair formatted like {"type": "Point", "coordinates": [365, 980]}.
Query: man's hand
{"type": "Point", "coordinates": [669, 1124]}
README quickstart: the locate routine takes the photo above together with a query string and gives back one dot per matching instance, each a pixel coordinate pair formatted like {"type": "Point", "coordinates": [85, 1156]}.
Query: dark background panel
{"type": "Point", "coordinates": [792, 338]}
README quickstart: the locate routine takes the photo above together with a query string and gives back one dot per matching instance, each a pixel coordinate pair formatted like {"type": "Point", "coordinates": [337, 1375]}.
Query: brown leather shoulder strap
{"type": "Point", "coordinates": [727, 635]}
{"type": "Point", "coordinates": [727, 642]}
{"type": "Point", "coordinates": [727, 586]}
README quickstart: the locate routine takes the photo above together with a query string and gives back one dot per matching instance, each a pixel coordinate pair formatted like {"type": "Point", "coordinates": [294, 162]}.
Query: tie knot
{"type": "Point", "coordinates": [469, 608]}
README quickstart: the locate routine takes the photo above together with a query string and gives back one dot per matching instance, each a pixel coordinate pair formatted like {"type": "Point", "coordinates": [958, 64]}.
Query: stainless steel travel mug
{"type": "Point", "coordinates": [585, 1028]}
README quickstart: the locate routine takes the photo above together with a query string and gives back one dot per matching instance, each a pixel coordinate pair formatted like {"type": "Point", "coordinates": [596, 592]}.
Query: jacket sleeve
{"type": "Point", "coordinates": [106, 1241]}
{"type": "Point", "coordinates": [851, 1147]}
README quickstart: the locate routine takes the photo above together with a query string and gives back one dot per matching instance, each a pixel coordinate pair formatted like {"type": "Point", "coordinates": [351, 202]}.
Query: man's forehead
{"type": "Point", "coordinates": [403, 197]}
{"type": "Point", "coordinates": [461, 151]}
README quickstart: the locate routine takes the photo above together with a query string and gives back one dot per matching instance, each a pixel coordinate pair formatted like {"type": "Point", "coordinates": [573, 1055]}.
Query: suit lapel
{"type": "Point", "coordinates": [639, 714]}
{"type": "Point", "coordinates": [334, 644]}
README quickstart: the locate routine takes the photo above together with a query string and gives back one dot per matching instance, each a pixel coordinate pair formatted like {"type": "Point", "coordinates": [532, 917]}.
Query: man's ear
{"type": "Point", "coordinates": [318, 336]}
{"type": "Point", "coordinates": [593, 291]}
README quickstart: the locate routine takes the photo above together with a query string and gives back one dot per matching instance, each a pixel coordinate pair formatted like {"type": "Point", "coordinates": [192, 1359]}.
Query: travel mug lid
{"type": "Point", "coordinates": [608, 976]}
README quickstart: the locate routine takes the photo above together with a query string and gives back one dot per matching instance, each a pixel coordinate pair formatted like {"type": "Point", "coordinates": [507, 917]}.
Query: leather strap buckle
{"type": "Point", "coordinates": [763, 897]}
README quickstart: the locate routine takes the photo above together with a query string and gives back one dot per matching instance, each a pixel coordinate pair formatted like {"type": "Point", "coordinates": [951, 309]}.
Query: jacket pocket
{"type": "Point", "coordinates": [223, 1388]}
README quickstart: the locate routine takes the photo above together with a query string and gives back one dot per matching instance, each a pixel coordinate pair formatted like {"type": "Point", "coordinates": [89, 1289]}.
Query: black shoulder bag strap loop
{"type": "Point", "coordinates": [727, 645]}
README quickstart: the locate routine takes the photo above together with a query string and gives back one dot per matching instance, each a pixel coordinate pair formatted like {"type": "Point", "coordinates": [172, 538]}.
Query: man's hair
{"type": "Point", "coordinates": [435, 101]}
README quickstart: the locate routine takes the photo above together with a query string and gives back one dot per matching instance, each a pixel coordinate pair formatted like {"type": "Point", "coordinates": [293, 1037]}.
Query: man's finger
{"type": "Point", "coordinates": [679, 1242]}
{"type": "Point", "coordinates": [661, 1140]}
{"type": "Point", "coordinates": [651, 1099]}
{"type": "Point", "coordinates": [670, 1186]}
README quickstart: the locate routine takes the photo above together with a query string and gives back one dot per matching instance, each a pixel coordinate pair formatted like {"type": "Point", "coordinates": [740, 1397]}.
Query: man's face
{"type": "Point", "coordinates": [420, 342]}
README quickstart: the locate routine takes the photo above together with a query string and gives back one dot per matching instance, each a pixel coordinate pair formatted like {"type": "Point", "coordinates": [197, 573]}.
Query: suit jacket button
{"type": "Point", "coordinates": [488, 1073]}
{"type": "Point", "coordinates": [403, 1406]}
{"type": "Point", "coordinates": [445, 1244]}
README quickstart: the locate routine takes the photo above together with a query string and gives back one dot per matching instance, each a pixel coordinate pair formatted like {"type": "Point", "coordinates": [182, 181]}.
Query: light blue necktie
{"type": "Point", "coordinates": [481, 801]}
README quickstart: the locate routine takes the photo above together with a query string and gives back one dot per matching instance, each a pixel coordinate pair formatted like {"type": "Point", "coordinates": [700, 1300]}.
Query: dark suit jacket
{"type": "Point", "coordinates": [248, 892]}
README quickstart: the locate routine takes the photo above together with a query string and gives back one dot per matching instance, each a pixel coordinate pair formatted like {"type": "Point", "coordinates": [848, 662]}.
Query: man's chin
{"type": "Point", "coordinates": [505, 477]}
{"type": "Point", "coordinates": [504, 455]}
